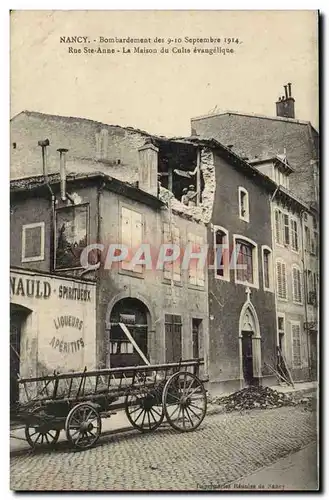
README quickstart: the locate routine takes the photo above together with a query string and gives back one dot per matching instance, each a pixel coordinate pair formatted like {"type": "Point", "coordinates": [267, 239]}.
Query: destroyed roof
{"type": "Point", "coordinates": [28, 184]}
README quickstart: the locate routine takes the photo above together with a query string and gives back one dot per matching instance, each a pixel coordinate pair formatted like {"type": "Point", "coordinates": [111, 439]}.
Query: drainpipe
{"type": "Point", "coordinates": [198, 177]}
{"type": "Point", "coordinates": [305, 288]}
{"type": "Point", "coordinates": [274, 269]}
{"type": "Point", "coordinates": [44, 144]}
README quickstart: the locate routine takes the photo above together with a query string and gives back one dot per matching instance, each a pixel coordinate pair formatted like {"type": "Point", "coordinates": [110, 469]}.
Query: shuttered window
{"type": "Point", "coordinates": [296, 285]}
{"type": "Point", "coordinates": [286, 231]}
{"type": "Point", "coordinates": [281, 280]}
{"type": "Point", "coordinates": [294, 235]}
{"type": "Point", "coordinates": [33, 240]}
{"type": "Point", "coordinates": [172, 270]}
{"type": "Point", "coordinates": [296, 345]}
{"type": "Point", "coordinates": [131, 236]}
{"type": "Point", "coordinates": [196, 270]}
{"type": "Point", "coordinates": [277, 222]}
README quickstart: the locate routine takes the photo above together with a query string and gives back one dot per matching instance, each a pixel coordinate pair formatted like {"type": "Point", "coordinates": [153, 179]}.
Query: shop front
{"type": "Point", "coordinates": [52, 325]}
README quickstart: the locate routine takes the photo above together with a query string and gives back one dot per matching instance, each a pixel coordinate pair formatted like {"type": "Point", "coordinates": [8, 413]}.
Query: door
{"type": "Point", "coordinates": [173, 332]}
{"type": "Point", "coordinates": [15, 347]}
{"type": "Point", "coordinates": [196, 329]}
{"type": "Point", "coordinates": [247, 361]}
{"type": "Point", "coordinates": [313, 354]}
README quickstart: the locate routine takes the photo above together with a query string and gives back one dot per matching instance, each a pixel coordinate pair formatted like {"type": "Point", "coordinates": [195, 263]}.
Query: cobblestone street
{"type": "Point", "coordinates": [225, 448]}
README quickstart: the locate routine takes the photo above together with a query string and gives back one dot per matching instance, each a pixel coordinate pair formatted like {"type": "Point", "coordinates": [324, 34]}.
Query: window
{"type": "Point", "coordinates": [267, 268]}
{"type": "Point", "coordinates": [71, 235]}
{"type": "Point", "coordinates": [196, 270]}
{"type": "Point", "coordinates": [131, 237]}
{"type": "Point", "coordinates": [221, 254]}
{"type": "Point", "coordinates": [314, 239]}
{"type": "Point", "coordinates": [277, 224]}
{"type": "Point", "coordinates": [33, 242]}
{"type": "Point", "coordinates": [243, 204]}
{"type": "Point", "coordinates": [173, 337]}
{"type": "Point", "coordinates": [294, 235]}
{"type": "Point", "coordinates": [307, 239]}
{"type": "Point", "coordinates": [296, 285]}
{"type": "Point", "coordinates": [281, 328]}
{"type": "Point", "coordinates": [311, 288]}
{"type": "Point", "coordinates": [172, 270]}
{"type": "Point", "coordinates": [296, 345]}
{"type": "Point", "coordinates": [246, 261]}
{"type": "Point", "coordinates": [286, 229]}
{"type": "Point", "coordinates": [281, 279]}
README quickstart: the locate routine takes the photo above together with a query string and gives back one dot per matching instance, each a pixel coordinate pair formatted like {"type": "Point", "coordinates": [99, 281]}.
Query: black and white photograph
{"type": "Point", "coordinates": [164, 250]}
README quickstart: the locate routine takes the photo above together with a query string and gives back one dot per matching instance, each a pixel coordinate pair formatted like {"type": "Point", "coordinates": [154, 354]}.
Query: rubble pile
{"type": "Point", "coordinates": [254, 397]}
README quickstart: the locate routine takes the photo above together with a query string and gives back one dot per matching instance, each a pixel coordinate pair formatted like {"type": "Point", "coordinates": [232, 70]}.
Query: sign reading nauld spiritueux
{"type": "Point", "coordinates": [41, 289]}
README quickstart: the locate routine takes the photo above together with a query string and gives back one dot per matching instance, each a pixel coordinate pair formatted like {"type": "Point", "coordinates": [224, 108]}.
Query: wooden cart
{"type": "Point", "coordinates": [77, 402]}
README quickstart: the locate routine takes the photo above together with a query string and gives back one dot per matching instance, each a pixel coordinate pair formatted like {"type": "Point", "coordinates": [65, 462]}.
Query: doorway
{"type": "Point", "coordinates": [247, 358]}
{"type": "Point", "coordinates": [134, 314]}
{"type": "Point", "coordinates": [250, 346]}
{"type": "Point", "coordinates": [18, 315]}
{"type": "Point", "coordinates": [196, 334]}
{"type": "Point", "coordinates": [313, 355]}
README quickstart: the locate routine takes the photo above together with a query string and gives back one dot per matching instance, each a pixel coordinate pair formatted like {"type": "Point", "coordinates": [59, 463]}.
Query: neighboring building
{"type": "Point", "coordinates": [242, 322]}
{"type": "Point", "coordinates": [266, 142]}
{"type": "Point", "coordinates": [256, 137]}
{"type": "Point", "coordinates": [295, 271]}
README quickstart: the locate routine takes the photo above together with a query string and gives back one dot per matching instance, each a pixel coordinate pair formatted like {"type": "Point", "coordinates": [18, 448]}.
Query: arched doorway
{"type": "Point", "coordinates": [135, 316]}
{"type": "Point", "coordinates": [249, 346]}
{"type": "Point", "coordinates": [18, 316]}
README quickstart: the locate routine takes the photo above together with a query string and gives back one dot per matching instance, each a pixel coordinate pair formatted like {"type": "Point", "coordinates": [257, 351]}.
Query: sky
{"type": "Point", "coordinates": [160, 93]}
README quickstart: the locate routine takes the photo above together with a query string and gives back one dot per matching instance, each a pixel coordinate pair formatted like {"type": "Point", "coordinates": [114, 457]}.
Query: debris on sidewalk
{"type": "Point", "coordinates": [259, 397]}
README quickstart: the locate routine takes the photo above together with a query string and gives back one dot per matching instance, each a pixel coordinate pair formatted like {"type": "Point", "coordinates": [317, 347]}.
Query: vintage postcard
{"type": "Point", "coordinates": [164, 250]}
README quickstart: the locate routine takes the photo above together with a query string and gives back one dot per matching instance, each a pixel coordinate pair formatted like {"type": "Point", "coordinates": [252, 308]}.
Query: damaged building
{"type": "Point", "coordinates": [123, 185]}
{"type": "Point", "coordinates": [76, 321]}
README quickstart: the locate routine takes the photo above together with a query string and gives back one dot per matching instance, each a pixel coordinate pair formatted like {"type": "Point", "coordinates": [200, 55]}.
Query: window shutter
{"type": "Point", "coordinates": [136, 236]}
{"type": "Point", "coordinates": [286, 229]}
{"type": "Point", "coordinates": [296, 284]}
{"type": "Point", "coordinates": [167, 268]}
{"type": "Point", "coordinates": [281, 280]}
{"type": "Point", "coordinates": [277, 226]}
{"type": "Point", "coordinates": [199, 270]}
{"type": "Point", "coordinates": [296, 345]}
{"type": "Point", "coordinates": [177, 263]}
{"type": "Point", "coordinates": [192, 263]}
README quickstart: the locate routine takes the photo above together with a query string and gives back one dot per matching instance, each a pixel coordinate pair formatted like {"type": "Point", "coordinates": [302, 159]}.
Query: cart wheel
{"type": "Point", "coordinates": [36, 438]}
{"type": "Point", "coordinates": [144, 409]}
{"type": "Point", "coordinates": [83, 426]}
{"type": "Point", "coordinates": [184, 401]}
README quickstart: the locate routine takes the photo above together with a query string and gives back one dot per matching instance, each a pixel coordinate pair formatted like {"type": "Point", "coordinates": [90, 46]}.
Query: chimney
{"type": "Point", "coordinates": [285, 105]}
{"type": "Point", "coordinates": [62, 162]}
{"type": "Point", "coordinates": [148, 168]}
{"type": "Point", "coordinates": [43, 145]}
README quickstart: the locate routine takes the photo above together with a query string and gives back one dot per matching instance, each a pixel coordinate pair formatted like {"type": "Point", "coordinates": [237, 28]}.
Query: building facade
{"type": "Point", "coordinates": [165, 309]}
